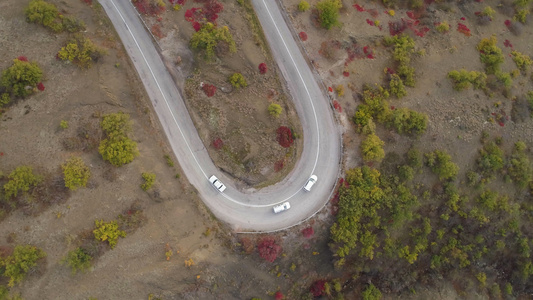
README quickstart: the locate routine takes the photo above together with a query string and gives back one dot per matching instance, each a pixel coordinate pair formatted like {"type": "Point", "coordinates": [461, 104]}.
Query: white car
{"type": "Point", "coordinates": [217, 183]}
{"type": "Point", "coordinates": [310, 182]}
{"type": "Point", "coordinates": [281, 207]}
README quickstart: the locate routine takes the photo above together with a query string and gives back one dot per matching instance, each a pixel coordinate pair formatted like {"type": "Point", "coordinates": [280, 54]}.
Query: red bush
{"type": "Point", "coordinates": [308, 232]}
{"type": "Point", "coordinates": [508, 44]}
{"type": "Point", "coordinates": [262, 68]}
{"type": "Point", "coordinates": [147, 8]}
{"type": "Point", "coordinates": [268, 249]}
{"type": "Point", "coordinates": [217, 143]}
{"type": "Point", "coordinates": [284, 137]}
{"type": "Point", "coordinates": [303, 36]}
{"type": "Point", "coordinates": [278, 166]}
{"type": "Point", "coordinates": [359, 7]}
{"type": "Point", "coordinates": [211, 10]}
{"type": "Point", "coordinates": [279, 296]}
{"type": "Point", "coordinates": [337, 106]}
{"type": "Point", "coordinates": [463, 29]}
{"type": "Point", "coordinates": [22, 58]}
{"type": "Point", "coordinates": [346, 74]}
{"type": "Point", "coordinates": [197, 26]}
{"type": "Point", "coordinates": [318, 288]}
{"type": "Point", "coordinates": [209, 89]}
{"type": "Point", "coordinates": [156, 31]}
{"type": "Point", "coordinates": [40, 86]}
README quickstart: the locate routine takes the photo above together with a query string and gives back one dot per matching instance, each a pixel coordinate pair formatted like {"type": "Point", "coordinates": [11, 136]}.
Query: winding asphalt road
{"type": "Point", "coordinates": [244, 210]}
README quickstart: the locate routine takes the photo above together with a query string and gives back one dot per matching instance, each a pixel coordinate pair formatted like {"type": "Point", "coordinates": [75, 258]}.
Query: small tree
{"type": "Point", "coordinates": [237, 80]}
{"type": "Point", "coordinates": [20, 180]}
{"type": "Point", "coordinates": [275, 110]}
{"type": "Point", "coordinates": [108, 231]}
{"type": "Point", "coordinates": [328, 13]}
{"type": "Point", "coordinates": [303, 6]}
{"type": "Point", "coordinates": [116, 125]}
{"type": "Point", "coordinates": [371, 293]}
{"type": "Point", "coordinates": [118, 151]}
{"type": "Point", "coordinates": [18, 264]}
{"type": "Point", "coordinates": [372, 148]}
{"type": "Point", "coordinates": [149, 180]}
{"type": "Point", "coordinates": [21, 78]}
{"type": "Point", "coordinates": [44, 13]}
{"type": "Point", "coordinates": [441, 164]}
{"type": "Point", "coordinates": [81, 51]}
{"type": "Point", "coordinates": [209, 36]}
{"type": "Point", "coordinates": [268, 249]}
{"type": "Point", "coordinates": [284, 136]}
{"type": "Point", "coordinates": [78, 260]}
{"type": "Point", "coordinates": [76, 173]}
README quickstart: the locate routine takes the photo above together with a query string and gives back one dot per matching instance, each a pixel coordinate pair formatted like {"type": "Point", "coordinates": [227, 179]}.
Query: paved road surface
{"type": "Point", "coordinates": [244, 210]}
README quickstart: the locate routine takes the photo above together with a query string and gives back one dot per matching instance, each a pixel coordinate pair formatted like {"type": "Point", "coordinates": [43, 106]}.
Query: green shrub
{"type": "Point", "coordinates": [209, 36]}
{"type": "Point", "coordinates": [81, 51]}
{"type": "Point", "coordinates": [522, 61]}
{"type": "Point", "coordinates": [78, 260]}
{"type": "Point", "coordinates": [521, 15]}
{"type": "Point", "coordinates": [462, 79]}
{"type": "Point", "coordinates": [237, 80]}
{"type": "Point", "coordinates": [504, 78]}
{"type": "Point", "coordinates": [490, 54]}
{"type": "Point", "coordinates": [20, 180]}
{"type": "Point", "coordinates": [76, 173]}
{"type": "Point", "coordinates": [63, 124]}
{"type": "Point", "coordinates": [443, 27]}
{"type": "Point", "coordinates": [372, 148]}
{"type": "Point", "coordinates": [406, 173]}
{"type": "Point", "coordinates": [149, 180]}
{"type": "Point", "coordinates": [275, 110]}
{"type": "Point", "coordinates": [44, 13]}
{"type": "Point", "coordinates": [491, 159]}
{"type": "Point", "coordinates": [371, 293]}
{"type": "Point", "coordinates": [414, 158]}
{"type": "Point", "coordinates": [441, 164]}
{"type": "Point", "coordinates": [71, 24]}
{"type": "Point", "coordinates": [4, 99]}
{"type": "Point", "coordinates": [19, 76]}
{"type": "Point", "coordinates": [118, 151]}
{"type": "Point", "coordinates": [18, 264]}
{"type": "Point", "coordinates": [303, 5]}
{"type": "Point", "coordinates": [116, 124]}
{"type": "Point", "coordinates": [396, 86]}
{"type": "Point", "coordinates": [409, 121]}
{"type": "Point", "coordinates": [488, 11]}
{"type": "Point", "coordinates": [520, 166]}
{"type": "Point", "coordinates": [403, 49]}
{"type": "Point", "coordinates": [328, 13]}
{"type": "Point", "coordinates": [107, 231]}
{"type": "Point", "coordinates": [169, 160]}
{"type": "Point", "coordinates": [521, 3]}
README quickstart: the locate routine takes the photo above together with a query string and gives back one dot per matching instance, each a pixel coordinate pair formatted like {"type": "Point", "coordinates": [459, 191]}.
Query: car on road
{"type": "Point", "coordinates": [310, 182]}
{"type": "Point", "coordinates": [217, 183]}
{"type": "Point", "coordinates": [282, 207]}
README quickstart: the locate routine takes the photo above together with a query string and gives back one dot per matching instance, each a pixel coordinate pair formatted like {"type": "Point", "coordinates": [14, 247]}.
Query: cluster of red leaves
{"type": "Point", "coordinates": [508, 23]}
{"type": "Point", "coordinates": [148, 8]}
{"type": "Point", "coordinates": [217, 143]}
{"type": "Point", "coordinates": [268, 249]}
{"type": "Point", "coordinates": [412, 15]}
{"type": "Point", "coordinates": [359, 7]}
{"type": "Point", "coordinates": [463, 29]}
{"type": "Point", "coordinates": [303, 36]}
{"type": "Point", "coordinates": [278, 166]}
{"type": "Point", "coordinates": [370, 22]}
{"type": "Point", "coordinates": [412, 23]}
{"type": "Point", "coordinates": [354, 51]}
{"type": "Point", "coordinates": [368, 52]}
{"type": "Point", "coordinates": [308, 232]}
{"type": "Point", "coordinates": [197, 15]}
{"type": "Point", "coordinates": [330, 89]}
{"type": "Point", "coordinates": [500, 117]}
{"type": "Point", "coordinates": [318, 288]}
{"type": "Point", "coordinates": [284, 136]}
{"type": "Point", "coordinates": [88, 2]}
{"type": "Point", "coordinates": [22, 58]}
{"type": "Point", "coordinates": [40, 86]}
{"type": "Point", "coordinates": [508, 44]}
{"type": "Point", "coordinates": [262, 68]}
{"type": "Point", "coordinates": [156, 31]}
{"type": "Point", "coordinates": [337, 106]}
{"type": "Point", "coordinates": [346, 74]}
{"type": "Point", "coordinates": [209, 89]}
{"type": "Point", "coordinates": [279, 296]}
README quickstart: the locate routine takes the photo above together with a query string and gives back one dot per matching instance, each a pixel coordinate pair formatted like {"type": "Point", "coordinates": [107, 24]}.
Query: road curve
{"type": "Point", "coordinates": [243, 210]}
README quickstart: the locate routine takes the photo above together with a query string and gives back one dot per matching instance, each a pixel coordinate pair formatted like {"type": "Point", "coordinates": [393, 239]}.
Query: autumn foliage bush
{"type": "Point", "coordinates": [262, 68]}
{"type": "Point", "coordinates": [152, 8]}
{"type": "Point", "coordinates": [303, 36]}
{"type": "Point", "coordinates": [209, 89]}
{"type": "Point", "coordinates": [308, 232]}
{"type": "Point", "coordinates": [217, 143]}
{"type": "Point", "coordinates": [318, 288]}
{"type": "Point", "coordinates": [284, 137]}
{"type": "Point", "coordinates": [268, 249]}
